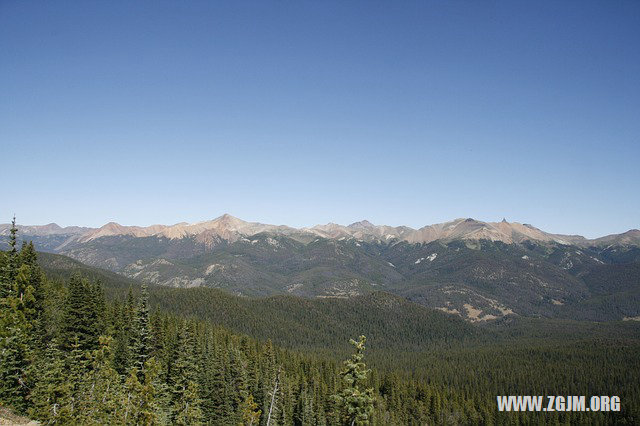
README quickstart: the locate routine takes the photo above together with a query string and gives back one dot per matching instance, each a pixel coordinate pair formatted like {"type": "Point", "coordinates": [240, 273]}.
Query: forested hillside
{"type": "Point", "coordinates": [525, 272]}
{"type": "Point", "coordinates": [75, 350]}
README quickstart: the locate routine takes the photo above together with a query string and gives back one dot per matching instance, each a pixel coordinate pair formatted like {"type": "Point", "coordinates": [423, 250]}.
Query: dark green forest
{"type": "Point", "coordinates": [84, 346]}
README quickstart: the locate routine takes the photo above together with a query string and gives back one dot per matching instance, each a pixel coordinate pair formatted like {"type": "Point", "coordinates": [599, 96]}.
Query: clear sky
{"type": "Point", "coordinates": [305, 112]}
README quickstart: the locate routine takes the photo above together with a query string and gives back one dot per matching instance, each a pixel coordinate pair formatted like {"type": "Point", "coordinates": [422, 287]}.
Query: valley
{"type": "Point", "coordinates": [411, 342]}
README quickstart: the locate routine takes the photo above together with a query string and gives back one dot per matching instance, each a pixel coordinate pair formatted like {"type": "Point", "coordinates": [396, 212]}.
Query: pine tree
{"type": "Point", "coordinates": [13, 358]}
{"type": "Point", "coordinates": [34, 276]}
{"type": "Point", "coordinates": [284, 410]}
{"type": "Point", "coordinates": [77, 365]}
{"type": "Point", "coordinates": [237, 381]}
{"type": "Point", "coordinates": [356, 405]}
{"type": "Point", "coordinates": [84, 311]}
{"type": "Point", "coordinates": [141, 341]}
{"type": "Point", "coordinates": [150, 398]}
{"type": "Point", "coordinates": [133, 347]}
{"type": "Point", "coordinates": [185, 405]}
{"type": "Point", "coordinates": [10, 269]}
{"type": "Point", "coordinates": [14, 333]}
{"type": "Point", "coordinates": [186, 410]}
{"type": "Point", "coordinates": [219, 408]}
{"type": "Point", "coordinates": [130, 404]}
{"type": "Point", "coordinates": [52, 394]}
{"type": "Point", "coordinates": [268, 380]}
{"type": "Point", "coordinates": [250, 412]}
{"type": "Point", "coordinates": [139, 398]}
{"type": "Point", "coordinates": [98, 307]}
{"type": "Point", "coordinates": [272, 402]}
{"type": "Point", "coordinates": [121, 346]}
{"type": "Point", "coordinates": [304, 411]}
{"type": "Point", "coordinates": [30, 288]}
{"type": "Point", "coordinates": [100, 393]}
{"type": "Point", "coordinates": [130, 307]}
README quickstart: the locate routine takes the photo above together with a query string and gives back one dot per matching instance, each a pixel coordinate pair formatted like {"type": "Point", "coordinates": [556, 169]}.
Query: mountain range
{"type": "Point", "coordinates": [481, 271]}
{"type": "Point", "coordinates": [229, 228]}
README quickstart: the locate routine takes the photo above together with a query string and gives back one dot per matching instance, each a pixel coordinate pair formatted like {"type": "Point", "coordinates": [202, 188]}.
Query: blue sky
{"type": "Point", "coordinates": [310, 112]}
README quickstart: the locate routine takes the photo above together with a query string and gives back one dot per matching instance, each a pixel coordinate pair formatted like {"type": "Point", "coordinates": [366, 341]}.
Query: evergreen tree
{"type": "Point", "coordinates": [304, 411]}
{"type": "Point", "coordinates": [141, 344]}
{"type": "Point", "coordinates": [140, 401]}
{"type": "Point", "coordinates": [131, 406]}
{"type": "Point", "coordinates": [100, 395]}
{"type": "Point", "coordinates": [77, 364]}
{"type": "Point", "coordinates": [10, 269]}
{"type": "Point", "coordinates": [83, 314]}
{"type": "Point", "coordinates": [186, 409]}
{"type": "Point", "coordinates": [237, 381]}
{"type": "Point", "coordinates": [13, 357]}
{"type": "Point", "coordinates": [268, 388]}
{"type": "Point", "coordinates": [52, 394]}
{"type": "Point", "coordinates": [98, 306]}
{"type": "Point", "coordinates": [356, 404]}
{"type": "Point", "coordinates": [273, 393]}
{"type": "Point", "coordinates": [250, 412]}
{"type": "Point", "coordinates": [121, 346]}
{"type": "Point", "coordinates": [33, 275]}
{"type": "Point", "coordinates": [30, 288]}
{"type": "Point", "coordinates": [185, 406]}
{"type": "Point", "coordinates": [14, 332]}
{"type": "Point", "coordinates": [219, 405]}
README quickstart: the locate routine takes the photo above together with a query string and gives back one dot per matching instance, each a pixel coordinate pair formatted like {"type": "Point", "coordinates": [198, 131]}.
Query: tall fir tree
{"type": "Point", "coordinates": [355, 404]}
{"type": "Point", "coordinates": [100, 394]}
{"type": "Point", "coordinates": [30, 283]}
{"type": "Point", "coordinates": [14, 332]}
{"type": "Point", "coordinates": [10, 269]}
{"type": "Point", "coordinates": [52, 394]}
{"type": "Point", "coordinates": [185, 401]}
{"type": "Point", "coordinates": [83, 314]}
{"type": "Point", "coordinates": [14, 362]}
{"type": "Point", "coordinates": [141, 334]}
{"type": "Point", "coordinates": [121, 356]}
{"type": "Point", "coordinates": [250, 412]}
{"type": "Point", "coordinates": [140, 400]}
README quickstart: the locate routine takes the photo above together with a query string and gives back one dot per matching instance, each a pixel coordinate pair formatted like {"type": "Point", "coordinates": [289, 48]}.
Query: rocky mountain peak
{"type": "Point", "coordinates": [362, 224]}
{"type": "Point", "coordinates": [229, 221]}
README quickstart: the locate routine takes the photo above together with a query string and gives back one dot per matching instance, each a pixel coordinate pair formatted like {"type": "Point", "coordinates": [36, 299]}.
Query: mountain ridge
{"type": "Point", "coordinates": [229, 228]}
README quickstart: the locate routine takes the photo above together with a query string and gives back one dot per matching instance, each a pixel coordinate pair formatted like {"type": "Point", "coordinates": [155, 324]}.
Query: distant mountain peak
{"type": "Point", "coordinates": [228, 219]}
{"type": "Point", "coordinates": [362, 224]}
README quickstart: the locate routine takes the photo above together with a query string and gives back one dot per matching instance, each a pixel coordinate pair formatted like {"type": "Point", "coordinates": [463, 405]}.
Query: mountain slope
{"type": "Point", "coordinates": [391, 321]}
{"type": "Point", "coordinates": [388, 321]}
{"type": "Point", "coordinates": [477, 270]}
